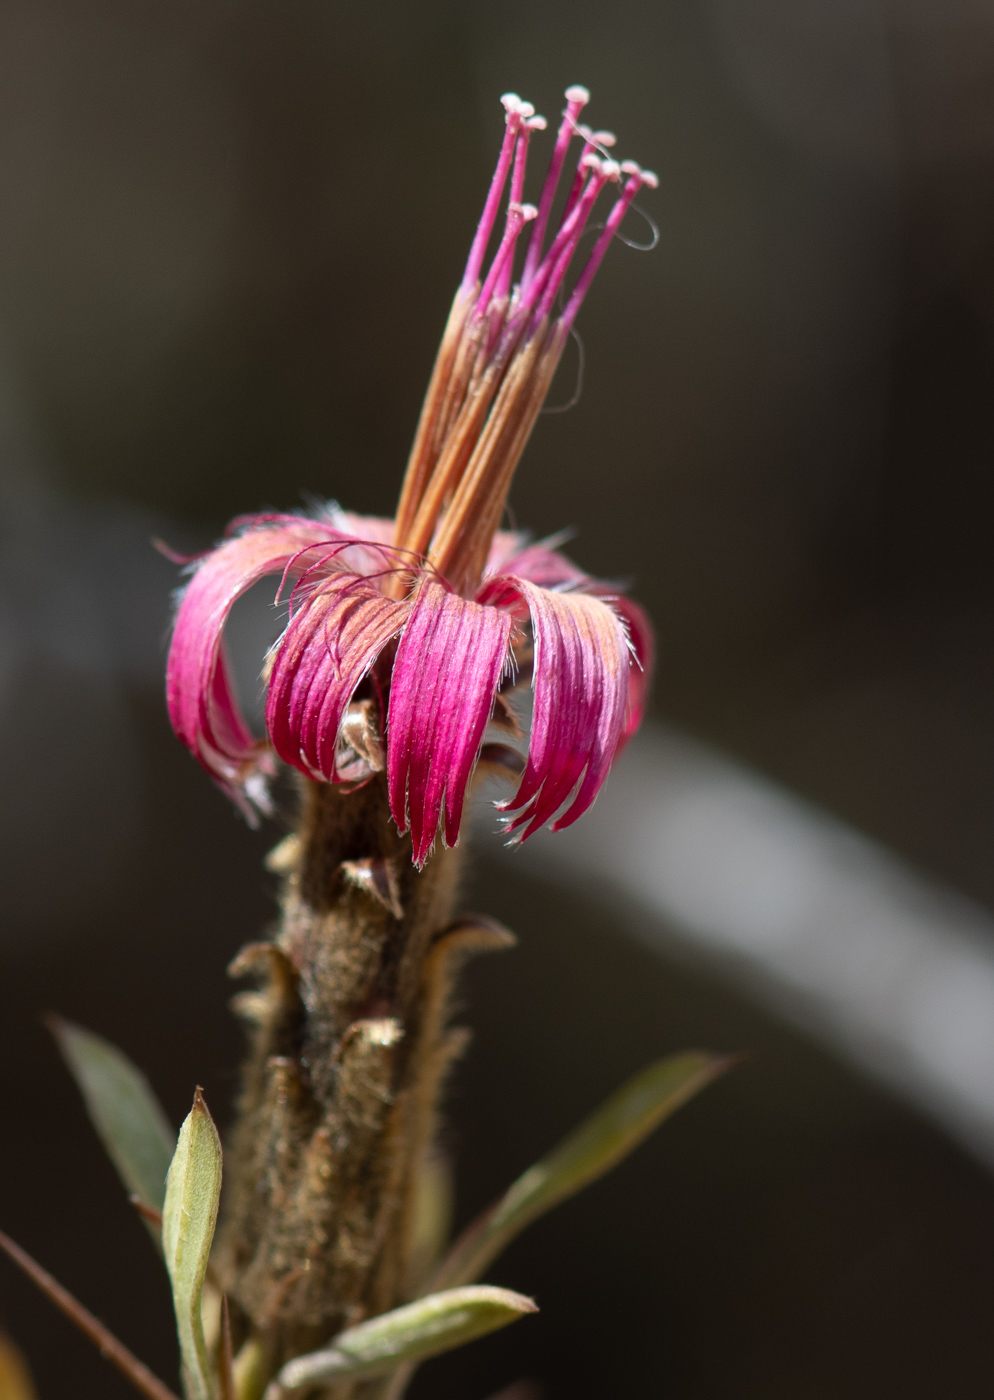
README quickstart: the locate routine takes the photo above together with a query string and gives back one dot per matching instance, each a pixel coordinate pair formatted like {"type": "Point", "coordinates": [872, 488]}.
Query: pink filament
{"type": "Point", "coordinates": [614, 219]}
{"type": "Point", "coordinates": [517, 217]}
{"type": "Point", "coordinates": [484, 229]}
{"type": "Point", "coordinates": [574, 107]}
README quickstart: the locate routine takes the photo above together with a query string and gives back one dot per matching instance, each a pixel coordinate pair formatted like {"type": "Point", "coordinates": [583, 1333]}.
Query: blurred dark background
{"type": "Point", "coordinates": [229, 234]}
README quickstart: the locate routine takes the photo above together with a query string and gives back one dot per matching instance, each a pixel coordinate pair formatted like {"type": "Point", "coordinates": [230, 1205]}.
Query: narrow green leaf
{"type": "Point", "coordinates": [189, 1215]}
{"type": "Point", "coordinates": [128, 1117]}
{"type": "Point", "coordinates": [431, 1325]}
{"type": "Point", "coordinates": [597, 1145]}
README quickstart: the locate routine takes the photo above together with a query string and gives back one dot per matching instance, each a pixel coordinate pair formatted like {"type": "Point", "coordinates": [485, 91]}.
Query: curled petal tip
{"type": "Point", "coordinates": [581, 690]}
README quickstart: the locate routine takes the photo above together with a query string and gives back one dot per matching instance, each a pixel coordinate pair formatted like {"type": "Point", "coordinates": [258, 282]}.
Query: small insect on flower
{"type": "Point", "coordinates": [431, 617]}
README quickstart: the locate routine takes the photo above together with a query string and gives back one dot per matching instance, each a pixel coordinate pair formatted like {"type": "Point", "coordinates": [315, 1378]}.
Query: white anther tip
{"type": "Point", "coordinates": [511, 102]}
{"type": "Point", "coordinates": [591, 161]}
{"type": "Point", "coordinates": [584, 131]}
{"type": "Point", "coordinates": [528, 212]}
{"type": "Point", "coordinates": [650, 178]}
{"type": "Point", "coordinates": [605, 138]}
{"type": "Point", "coordinates": [536, 123]}
{"type": "Point", "coordinates": [577, 93]}
{"type": "Point", "coordinates": [631, 167]}
{"type": "Point", "coordinates": [611, 170]}
{"type": "Point", "coordinates": [527, 109]}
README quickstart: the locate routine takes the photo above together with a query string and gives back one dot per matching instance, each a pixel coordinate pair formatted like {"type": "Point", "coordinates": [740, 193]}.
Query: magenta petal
{"type": "Point", "coordinates": [546, 567]}
{"type": "Point", "coordinates": [539, 563]}
{"type": "Point", "coordinates": [202, 705]}
{"type": "Point", "coordinates": [445, 678]}
{"type": "Point", "coordinates": [641, 661]}
{"type": "Point", "coordinates": [581, 689]}
{"type": "Point", "coordinates": [506, 544]}
{"type": "Point", "coordinates": [339, 624]}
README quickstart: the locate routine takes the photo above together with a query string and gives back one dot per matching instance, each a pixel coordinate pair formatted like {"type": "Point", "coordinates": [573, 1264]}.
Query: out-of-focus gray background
{"type": "Point", "coordinates": [229, 234]}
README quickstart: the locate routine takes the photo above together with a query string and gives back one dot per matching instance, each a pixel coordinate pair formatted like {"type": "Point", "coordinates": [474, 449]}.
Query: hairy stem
{"type": "Point", "coordinates": [349, 1049]}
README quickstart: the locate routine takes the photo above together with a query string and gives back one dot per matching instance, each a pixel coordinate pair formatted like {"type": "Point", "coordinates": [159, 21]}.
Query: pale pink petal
{"type": "Point", "coordinates": [539, 563]}
{"type": "Point", "coordinates": [581, 692]}
{"type": "Point", "coordinates": [202, 706]}
{"type": "Point", "coordinates": [373, 553]}
{"type": "Point", "coordinates": [641, 660]}
{"type": "Point", "coordinates": [339, 624]}
{"type": "Point", "coordinates": [445, 677]}
{"type": "Point", "coordinates": [506, 544]}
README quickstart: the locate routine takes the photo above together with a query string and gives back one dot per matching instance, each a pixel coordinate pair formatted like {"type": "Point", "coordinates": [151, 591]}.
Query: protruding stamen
{"type": "Point", "coordinates": [632, 187]}
{"type": "Point", "coordinates": [564, 243]}
{"type": "Point", "coordinates": [577, 98]}
{"type": "Point", "coordinates": [606, 171]}
{"type": "Point", "coordinates": [517, 191]}
{"type": "Point", "coordinates": [500, 351]}
{"type": "Point", "coordinates": [517, 216]}
{"type": "Point", "coordinates": [589, 149]}
{"type": "Point", "coordinates": [512, 105]}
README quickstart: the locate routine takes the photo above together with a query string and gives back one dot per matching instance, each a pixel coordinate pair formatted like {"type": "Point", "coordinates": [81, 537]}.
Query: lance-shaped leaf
{"type": "Point", "coordinates": [188, 1219]}
{"type": "Point", "coordinates": [597, 1145]}
{"type": "Point", "coordinates": [129, 1119]}
{"type": "Point", "coordinates": [411, 1333]}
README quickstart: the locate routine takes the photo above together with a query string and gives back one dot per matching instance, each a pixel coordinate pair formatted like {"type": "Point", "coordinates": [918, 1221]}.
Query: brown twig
{"type": "Point", "coordinates": [149, 1213]}
{"type": "Point", "coordinates": [226, 1375]}
{"type": "Point", "coordinates": [116, 1352]}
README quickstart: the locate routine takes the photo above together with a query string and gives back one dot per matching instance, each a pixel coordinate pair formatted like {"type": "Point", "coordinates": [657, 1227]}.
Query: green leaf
{"type": "Point", "coordinates": [189, 1215]}
{"type": "Point", "coordinates": [431, 1325]}
{"type": "Point", "coordinates": [597, 1145]}
{"type": "Point", "coordinates": [128, 1117]}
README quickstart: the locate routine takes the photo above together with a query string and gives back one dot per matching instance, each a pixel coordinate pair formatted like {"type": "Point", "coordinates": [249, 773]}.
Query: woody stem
{"type": "Point", "coordinates": [348, 1051]}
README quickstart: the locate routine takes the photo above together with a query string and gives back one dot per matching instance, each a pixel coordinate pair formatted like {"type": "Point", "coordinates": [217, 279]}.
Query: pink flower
{"type": "Point", "coordinates": [425, 619]}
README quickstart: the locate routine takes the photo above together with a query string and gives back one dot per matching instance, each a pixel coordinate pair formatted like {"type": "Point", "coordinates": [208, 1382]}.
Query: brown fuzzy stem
{"type": "Point", "coordinates": [349, 1050]}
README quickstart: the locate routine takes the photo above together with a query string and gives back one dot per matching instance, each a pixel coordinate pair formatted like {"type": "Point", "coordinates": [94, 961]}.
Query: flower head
{"type": "Point", "coordinates": [428, 620]}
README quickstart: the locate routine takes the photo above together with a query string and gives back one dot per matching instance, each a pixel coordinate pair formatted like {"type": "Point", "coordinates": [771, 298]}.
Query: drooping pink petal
{"type": "Point", "coordinates": [339, 623]}
{"type": "Point", "coordinates": [202, 705]}
{"type": "Point", "coordinates": [543, 564]}
{"type": "Point", "coordinates": [445, 676]}
{"type": "Point", "coordinates": [581, 696]}
{"type": "Point", "coordinates": [641, 660]}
